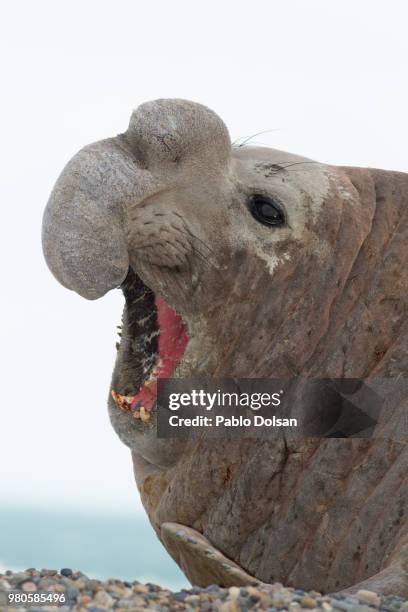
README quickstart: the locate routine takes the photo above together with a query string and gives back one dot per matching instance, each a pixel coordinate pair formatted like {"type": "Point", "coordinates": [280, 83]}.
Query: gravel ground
{"type": "Point", "coordinates": [83, 593]}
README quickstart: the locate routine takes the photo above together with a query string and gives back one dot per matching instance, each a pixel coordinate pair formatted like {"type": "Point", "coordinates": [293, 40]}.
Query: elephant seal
{"type": "Point", "coordinates": [247, 262]}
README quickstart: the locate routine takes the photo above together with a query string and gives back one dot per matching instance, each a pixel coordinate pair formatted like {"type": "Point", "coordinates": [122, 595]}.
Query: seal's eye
{"type": "Point", "coordinates": [266, 211]}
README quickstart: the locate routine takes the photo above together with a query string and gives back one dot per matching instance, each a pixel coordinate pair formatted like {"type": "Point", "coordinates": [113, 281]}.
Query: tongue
{"type": "Point", "coordinates": [173, 340]}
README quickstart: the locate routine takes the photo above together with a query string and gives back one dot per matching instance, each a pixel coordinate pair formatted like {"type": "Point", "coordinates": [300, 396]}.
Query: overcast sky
{"type": "Point", "coordinates": [329, 78]}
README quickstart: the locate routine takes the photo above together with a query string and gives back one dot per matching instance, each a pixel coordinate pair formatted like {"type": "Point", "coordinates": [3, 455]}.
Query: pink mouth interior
{"type": "Point", "coordinates": [172, 342]}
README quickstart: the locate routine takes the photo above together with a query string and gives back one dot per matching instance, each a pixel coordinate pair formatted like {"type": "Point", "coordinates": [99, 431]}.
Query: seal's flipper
{"type": "Point", "coordinates": [200, 561]}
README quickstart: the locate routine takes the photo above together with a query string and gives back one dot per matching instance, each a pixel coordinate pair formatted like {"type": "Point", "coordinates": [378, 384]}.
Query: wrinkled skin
{"type": "Point", "coordinates": [323, 296]}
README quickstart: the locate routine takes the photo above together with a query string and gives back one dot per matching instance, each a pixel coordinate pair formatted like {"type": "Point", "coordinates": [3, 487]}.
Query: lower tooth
{"type": "Point", "coordinates": [144, 414]}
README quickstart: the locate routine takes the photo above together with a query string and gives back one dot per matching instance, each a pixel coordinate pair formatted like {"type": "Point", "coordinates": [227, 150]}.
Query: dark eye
{"type": "Point", "coordinates": [266, 211]}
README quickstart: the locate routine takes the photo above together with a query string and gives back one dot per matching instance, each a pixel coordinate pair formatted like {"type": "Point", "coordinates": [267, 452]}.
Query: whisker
{"type": "Point", "coordinates": [236, 144]}
{"type": "Point", "coordinates": [145, 248]}
{"type": "Point", "coordinates": [284, 167]}
{"type": "Point", "coordinates": [199, 239]}
{"type": "Point", "coordinates": [205, 258]}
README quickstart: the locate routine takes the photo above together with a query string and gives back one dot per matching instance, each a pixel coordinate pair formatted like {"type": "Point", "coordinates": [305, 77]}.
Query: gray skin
{"type": "Point", "coordinates": [323, 296]}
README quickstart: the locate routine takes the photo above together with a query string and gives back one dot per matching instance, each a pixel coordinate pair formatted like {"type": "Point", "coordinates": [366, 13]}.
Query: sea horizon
{"type": "Point", "coordinates": [100, 543]}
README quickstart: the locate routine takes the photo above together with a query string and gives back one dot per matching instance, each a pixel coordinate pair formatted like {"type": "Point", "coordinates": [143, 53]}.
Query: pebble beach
{"type": "Point", "coordinates": [77, 592]}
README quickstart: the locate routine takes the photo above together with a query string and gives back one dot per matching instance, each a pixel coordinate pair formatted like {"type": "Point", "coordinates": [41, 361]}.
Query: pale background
{"type": "Point", "coordinates": [329, 78]}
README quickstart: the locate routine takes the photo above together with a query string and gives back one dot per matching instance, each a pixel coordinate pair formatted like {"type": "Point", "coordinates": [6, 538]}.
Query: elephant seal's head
{"type": "Point", "coordinates": [224, 236]}
{"type": "Point", "coordinates": [234, 261]}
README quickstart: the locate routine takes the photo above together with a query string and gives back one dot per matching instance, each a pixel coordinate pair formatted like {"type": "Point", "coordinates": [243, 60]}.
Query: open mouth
{"type": "Point", "coordinates": [155, 338]}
